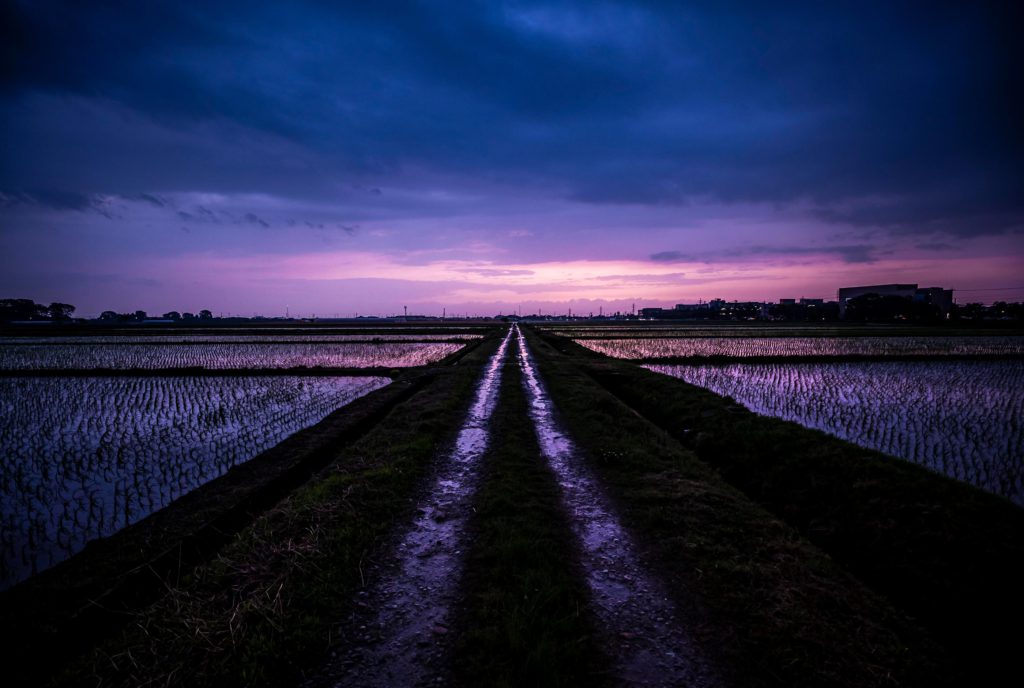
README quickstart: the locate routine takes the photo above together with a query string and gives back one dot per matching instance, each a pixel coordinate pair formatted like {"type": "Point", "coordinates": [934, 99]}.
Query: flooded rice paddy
{"type": "Point", "coordinates": [645, 347]}
{"type": "Point", "coordinates": [964, 419]}
{"type": "Point", "coordinates": [222, 356]}
{"type": "Point", "coordinates": [81, 458]}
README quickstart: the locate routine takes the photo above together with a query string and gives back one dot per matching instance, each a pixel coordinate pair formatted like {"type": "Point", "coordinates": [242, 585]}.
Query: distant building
{"type": "Point", "coordinates": [652, 312]}
{"type": "Point", "coordinates": [812, 302]}
{"type": "Point", "coordinates": [941, 298]}
{"type": "Point", "coordinates": [787, 302]}
{"type": "Point", "coordinates": [938, 297]}
{"type": "Point", "coordinates": [695, 309]}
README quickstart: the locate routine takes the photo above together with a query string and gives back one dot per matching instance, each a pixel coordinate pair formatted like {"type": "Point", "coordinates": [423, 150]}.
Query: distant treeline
{"type": "Point", "coordinates": [27, 309]}
{"type": "Point", "coordinates": [866, 308]}
{"type": "Point", "coordinates": [19, 310]}
{"type": "Point", "coordinates": [139, 316]}
{"type": "Point", "coordinates": [1000, 310]}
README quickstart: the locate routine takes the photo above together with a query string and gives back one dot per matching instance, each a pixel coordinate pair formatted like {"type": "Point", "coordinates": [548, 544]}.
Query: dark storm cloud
{"type": "Point", "coordinates": [847, 254]}
{"type": "Point", "coordinates": [904, 116]}
{"type": "Point", "coordinates": [254, 219]}
{"type": "Point", "coordinates": [60, 200]}
{"type": "Point", "coordinates": [936, 246]}
{"type": "Point", "coordinates": [151, 199]}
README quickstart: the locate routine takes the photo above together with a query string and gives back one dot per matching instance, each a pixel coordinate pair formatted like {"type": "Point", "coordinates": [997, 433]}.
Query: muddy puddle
{"type": "Point", "coordinates": [642, 633]}
{"type": "Point", "coordinates": [397, 635]}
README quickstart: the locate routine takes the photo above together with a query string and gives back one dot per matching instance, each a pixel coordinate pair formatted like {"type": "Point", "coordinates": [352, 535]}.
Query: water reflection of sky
{"type": "Point", "coordinates": [81, 458]}
{"type": "Point", "coordinates": [223, 355]}
{"type": "Point", "coordinates": [962, 418]}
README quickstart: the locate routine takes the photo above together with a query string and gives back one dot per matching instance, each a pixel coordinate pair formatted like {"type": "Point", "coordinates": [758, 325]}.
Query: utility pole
{"type": "Point", "coordinates": [406, 309]}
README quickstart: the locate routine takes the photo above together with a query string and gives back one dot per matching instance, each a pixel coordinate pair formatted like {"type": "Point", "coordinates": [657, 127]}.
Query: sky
{"type": "Point", "coordinates": [334, 158]}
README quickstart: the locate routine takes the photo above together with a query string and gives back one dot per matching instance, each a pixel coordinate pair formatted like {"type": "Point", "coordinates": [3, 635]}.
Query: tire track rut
{"type": "Point", "coordinates": [395, 636]}
{"type": "Point", "coordinates": [642, 634]}
{"type": "Point", "coordinates": [398, 633]}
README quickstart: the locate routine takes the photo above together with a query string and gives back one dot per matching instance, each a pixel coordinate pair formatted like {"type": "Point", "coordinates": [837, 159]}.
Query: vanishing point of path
{"type": "Point", "coordinates": [397, 634]}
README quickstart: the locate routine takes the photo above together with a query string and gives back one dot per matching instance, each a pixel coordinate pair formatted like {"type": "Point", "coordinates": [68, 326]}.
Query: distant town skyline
{"type": "Point", "coordinates": [480, 157]}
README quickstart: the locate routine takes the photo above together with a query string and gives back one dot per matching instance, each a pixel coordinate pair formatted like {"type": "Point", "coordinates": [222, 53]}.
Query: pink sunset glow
{"type": "Point", "coordinates": [629, 157]}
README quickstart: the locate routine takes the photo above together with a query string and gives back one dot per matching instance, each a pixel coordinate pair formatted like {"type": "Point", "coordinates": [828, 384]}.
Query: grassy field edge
{"type": "Point", "coordinates": [944, 552]}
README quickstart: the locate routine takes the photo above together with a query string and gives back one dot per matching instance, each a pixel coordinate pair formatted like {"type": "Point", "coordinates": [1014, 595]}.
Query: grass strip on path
{"type": "Point", "coordinates": [778, 610]}
{"type": "Point", "coordinates": [525, 618]}
{"type": "Point", "coordinates": [263, 610]}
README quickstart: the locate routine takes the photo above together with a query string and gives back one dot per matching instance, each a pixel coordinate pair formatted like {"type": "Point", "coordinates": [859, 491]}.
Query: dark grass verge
{"type": "Point", "coordinates": [777, 611]}
{"type": "Point", "coordinates": [943, 551]}
{"type": "Point", "coordinates": [262, 609]}
{"type": "Point", "coordinates": [525, 618]}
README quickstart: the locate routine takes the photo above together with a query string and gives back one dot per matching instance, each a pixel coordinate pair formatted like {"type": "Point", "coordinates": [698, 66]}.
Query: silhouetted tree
{"type": "Point", "coordinates": [60, 311]}
{"type": "Point", "coordinates": [205, 315]}
{"type": "Point", "coordinates": [969, 311]}
{"type": "Point", "coordinates": [109, 316]}
{"type": "Point", "coordinates": [1001, 310]}
{"type": "Point", "coordinates": [21, 309]}
{"type": "Point", "coordinates": [172, 315]}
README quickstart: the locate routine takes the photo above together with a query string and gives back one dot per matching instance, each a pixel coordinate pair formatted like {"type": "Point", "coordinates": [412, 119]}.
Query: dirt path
{"type": "Point", "coordinates": [397, 633]}
{"type": "Point", "coordinates": [643, 636]}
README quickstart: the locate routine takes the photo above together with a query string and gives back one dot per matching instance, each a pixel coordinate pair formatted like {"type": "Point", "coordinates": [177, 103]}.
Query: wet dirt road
{"type": "Point", "coordinates": [399, 632]}
{"type": "Point", "coordinates": [642, 635]}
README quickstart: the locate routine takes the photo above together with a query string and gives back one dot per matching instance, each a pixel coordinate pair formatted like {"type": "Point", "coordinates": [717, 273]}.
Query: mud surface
{"type": "Point", "coordinates": [397, 634]}
{"type": "Point", "coordinates": [642, 633]}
